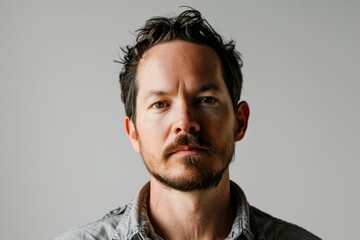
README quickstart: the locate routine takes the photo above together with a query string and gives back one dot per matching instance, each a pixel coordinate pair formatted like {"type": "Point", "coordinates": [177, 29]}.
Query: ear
{"type": "Point", "coordinates": [131, 133]}
{"type": "Point", "coordinates": [242, 117]}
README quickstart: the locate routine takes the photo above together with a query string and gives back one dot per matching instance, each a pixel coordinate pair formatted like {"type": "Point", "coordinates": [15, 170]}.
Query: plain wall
{"type": "Point", "coordinates": [65, 159]}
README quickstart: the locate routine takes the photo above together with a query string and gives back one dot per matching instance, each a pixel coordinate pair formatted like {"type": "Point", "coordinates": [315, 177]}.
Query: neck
{"type": "Point", "coordinates": [191, 215]}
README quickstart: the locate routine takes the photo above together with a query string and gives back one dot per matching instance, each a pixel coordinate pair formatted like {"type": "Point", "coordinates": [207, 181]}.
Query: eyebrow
{"type": "Point", "coordinates": [201, 89]}
{"type": "Point", "coordinates": [155, 93]}
{"type": "Point", "coordinates": [209, 87]}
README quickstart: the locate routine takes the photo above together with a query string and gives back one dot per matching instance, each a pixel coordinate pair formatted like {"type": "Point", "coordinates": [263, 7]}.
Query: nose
{"type": "Point", "coordinates": [185, 120]}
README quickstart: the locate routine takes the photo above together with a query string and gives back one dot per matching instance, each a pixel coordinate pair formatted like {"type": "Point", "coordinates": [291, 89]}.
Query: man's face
{"type": "Point", "coordinates": [185, 122]}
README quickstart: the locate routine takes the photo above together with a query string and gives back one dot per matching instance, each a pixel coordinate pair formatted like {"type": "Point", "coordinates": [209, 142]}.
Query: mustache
{"type": "Point", "coordinates": [193, 141]}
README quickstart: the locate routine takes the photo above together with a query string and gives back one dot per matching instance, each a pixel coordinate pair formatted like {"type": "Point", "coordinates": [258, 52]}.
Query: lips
{"type": "Point", "coordinates": [188, 149]}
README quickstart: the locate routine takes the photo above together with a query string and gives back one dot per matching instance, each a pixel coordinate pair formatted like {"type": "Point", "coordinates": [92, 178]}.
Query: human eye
{"type": "Point", "coordinates": [159, 105]}
{"type": "Point", "coordinates": [208, 100]}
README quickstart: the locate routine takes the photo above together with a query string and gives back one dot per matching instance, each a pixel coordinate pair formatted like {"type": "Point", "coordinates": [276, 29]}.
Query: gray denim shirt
{"type": "Point", "coordinates": [131, 222]}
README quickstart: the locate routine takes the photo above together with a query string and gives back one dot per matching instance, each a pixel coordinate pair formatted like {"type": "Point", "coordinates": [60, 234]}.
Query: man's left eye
{"type": "Point", "coordinates": [208, 100]}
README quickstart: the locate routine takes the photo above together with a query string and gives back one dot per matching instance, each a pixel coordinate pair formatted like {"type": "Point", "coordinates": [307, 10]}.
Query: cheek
{"type": "Point", "coordinates": [151, 135]}
{"type": "Point", "coordinates": [218, 127]}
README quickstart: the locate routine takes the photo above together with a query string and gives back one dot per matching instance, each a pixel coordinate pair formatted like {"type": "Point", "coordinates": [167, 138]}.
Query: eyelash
{"type": "Point", "coordinates": [201, 100]}
{"type": "Point", "coordinates": [163, 103]}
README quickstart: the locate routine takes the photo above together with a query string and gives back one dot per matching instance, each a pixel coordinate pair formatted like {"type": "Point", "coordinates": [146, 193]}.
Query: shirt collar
{"type": "Point", "coordinates": [241, 223]}
{"type": "Point", "coordinates": [136, 224]}
{"type": "Point", "coordinates": [136, 221]}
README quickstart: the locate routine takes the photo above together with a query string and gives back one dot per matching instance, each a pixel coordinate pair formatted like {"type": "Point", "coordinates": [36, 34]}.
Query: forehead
{"type": "Point", "coordinates": [178, 62]}
{"type": "Point", "coordinates": [182, 49]}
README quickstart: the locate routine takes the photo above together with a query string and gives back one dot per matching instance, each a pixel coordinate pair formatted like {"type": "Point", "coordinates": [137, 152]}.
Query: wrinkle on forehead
{"type": "Point", "coordinates": [203, 58]}
{"type": "Point", "coordinates": [164, 67]}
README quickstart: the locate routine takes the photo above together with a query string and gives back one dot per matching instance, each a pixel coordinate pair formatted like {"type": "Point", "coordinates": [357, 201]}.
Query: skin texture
{"type": "Point", "coordinates": [182, 93]}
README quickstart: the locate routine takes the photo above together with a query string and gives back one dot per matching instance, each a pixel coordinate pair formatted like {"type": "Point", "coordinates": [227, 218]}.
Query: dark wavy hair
{"type": "Point", "coordinates": [189, 26]}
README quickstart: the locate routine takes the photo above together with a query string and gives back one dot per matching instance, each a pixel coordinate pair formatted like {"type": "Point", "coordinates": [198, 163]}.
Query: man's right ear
{"type": "Point", "coordinates": [131, 133]}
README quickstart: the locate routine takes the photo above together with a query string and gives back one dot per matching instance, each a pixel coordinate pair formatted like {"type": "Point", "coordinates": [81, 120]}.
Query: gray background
{"type": "Point", "coordinates": [65, 159]}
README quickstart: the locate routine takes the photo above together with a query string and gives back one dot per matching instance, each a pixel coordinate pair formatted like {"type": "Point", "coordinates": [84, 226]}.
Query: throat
{"type": "Point", "coordinates": [192, 215]}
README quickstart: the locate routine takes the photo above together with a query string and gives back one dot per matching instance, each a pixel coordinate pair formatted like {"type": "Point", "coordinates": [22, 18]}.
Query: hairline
{"type": "Point", "coordinates": [136, 86]}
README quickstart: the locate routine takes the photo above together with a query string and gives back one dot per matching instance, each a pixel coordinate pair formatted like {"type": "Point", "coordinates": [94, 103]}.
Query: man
{"type": "Point", "coordinates": [181, 87]}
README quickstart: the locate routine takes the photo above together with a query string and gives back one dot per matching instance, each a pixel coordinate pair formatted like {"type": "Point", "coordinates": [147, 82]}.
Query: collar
{"type": "Point", "coordinates": [135, 223]}
{"type": "Point", "coordinates": [241, 223]}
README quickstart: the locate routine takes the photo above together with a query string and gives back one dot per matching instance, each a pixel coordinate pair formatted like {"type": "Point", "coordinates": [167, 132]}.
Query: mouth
{"type": "Point", "coordinates": [189, 150]}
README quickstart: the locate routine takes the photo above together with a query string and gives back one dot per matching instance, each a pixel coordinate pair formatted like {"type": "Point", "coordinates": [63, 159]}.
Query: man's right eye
{"type": "Point", "coordinates": [159, 105]}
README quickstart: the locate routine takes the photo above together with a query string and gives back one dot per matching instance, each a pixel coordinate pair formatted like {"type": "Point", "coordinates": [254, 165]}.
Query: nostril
{"type": "Point", "coordinates": [178, 130]}
{"type": "Point", "coordinates": [192, 129]}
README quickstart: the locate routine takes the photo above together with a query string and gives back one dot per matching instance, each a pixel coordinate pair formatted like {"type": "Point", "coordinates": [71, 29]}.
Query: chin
{"type": "Point", "coordinates": [193, 181]}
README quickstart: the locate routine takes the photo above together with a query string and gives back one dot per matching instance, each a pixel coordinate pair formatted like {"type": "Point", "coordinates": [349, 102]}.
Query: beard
{"type": "Point", "coordinates": [203, 177]}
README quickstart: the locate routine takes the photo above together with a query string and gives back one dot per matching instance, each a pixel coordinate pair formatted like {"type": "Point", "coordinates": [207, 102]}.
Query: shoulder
{"type": "Point", "coordinates": [99, 230]}
{"type": "Point", "coordinates": [275, 228]}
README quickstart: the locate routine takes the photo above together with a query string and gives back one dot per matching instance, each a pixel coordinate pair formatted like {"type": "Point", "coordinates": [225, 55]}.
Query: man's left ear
{"type": "Point", "coordinates": [241, 116]}
{"type": "Point", "coordinates": [132, 134]}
